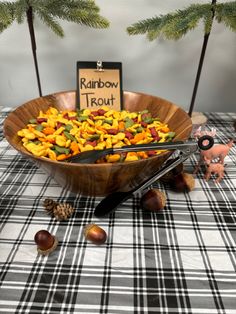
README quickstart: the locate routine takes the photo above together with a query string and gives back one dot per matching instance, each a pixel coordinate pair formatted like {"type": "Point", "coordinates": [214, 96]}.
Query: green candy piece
{"type": "Point", "coordinates": [128, 123]}
{"type": "Point", "coordinates": [171, 134]}
{"type": "Point", "coordinates": [68, 127]}
{"type": "Point", "coordinates": [148, 120]}
{"type": "Point", "coordinates": [94, 137]}
{"type": "Point", "coordinates": [144, 111]}
{"type": "Point", "coordinates": [61, 150]}
{"type": "Point", "coordinates": [32, 121]}
{"type": "Point", "coordinates": [108, 121]}
{"type": "Point", "coordinates": [83, 118]}
{"type": "Point", "coordinates": [69, 136]}
{"type": "Point", "coordinates": [139, 129]}
{"type": "Point", "coordinates": [39, 127]}
{"type": "Point", "coordinates": [80, 112]}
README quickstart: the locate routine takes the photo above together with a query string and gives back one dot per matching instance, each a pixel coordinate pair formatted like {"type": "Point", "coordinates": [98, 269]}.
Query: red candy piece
{"type": "Point", "coordinates": [40, 120]}
{"type": "Point", "coordinates": [92, 143]}
{"type": "Point", "coordinates": [128, 135]}
{"type": "Point", "coordinates": [101, 112]}
{"type": "Point", "coordinates": [112, 131]}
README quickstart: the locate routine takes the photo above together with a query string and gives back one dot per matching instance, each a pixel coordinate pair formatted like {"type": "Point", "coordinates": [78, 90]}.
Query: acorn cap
{"type": "Point", "coordinates": [50, 250]}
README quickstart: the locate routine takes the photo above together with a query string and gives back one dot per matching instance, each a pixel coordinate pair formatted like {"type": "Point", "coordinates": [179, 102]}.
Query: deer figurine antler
{"type": "Point", "coordinates": [201, 132]}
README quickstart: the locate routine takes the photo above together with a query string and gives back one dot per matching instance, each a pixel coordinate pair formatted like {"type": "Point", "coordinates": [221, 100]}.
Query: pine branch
{"type": "Point", "coordinates": [83, 12]}
{"type": "Point", "coordinates": [145, 26]}
{"type": "Point", "coordinates": [80, 11]}
{"type": "Point", "coordinates": [67, 9]}
{"type": "Point", "coordinates": [20, 8]}
{"type": "Point", "coordinates": [226, 13]}
{"type": "Point", "coordinates": [70, 5]}
{"type": "Point", "coordinates": [151, 35]}
{"type": "Point", "coordinates": [174, 25]}
{"type": "Point", "coordinates": [207, 20]}
{"type": "Point", "coordinates": [51, 23]}
{"type": "Point", "coordinates": [6, 15]}
{"type": "Point", "coordinates": [81, 5]}
{"type": "Point", "coordinates": [84, 17]}
{"type": "Point", "coordinates": [181, 22]}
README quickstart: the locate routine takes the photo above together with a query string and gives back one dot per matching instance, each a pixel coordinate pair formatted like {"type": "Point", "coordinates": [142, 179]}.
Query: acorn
{"type": "Point", "coordinates": [46, 243]}
{"type": "Point", "coordinates": [183, 182]}
{"type": "Point", "coordinates": [95, 234]}
{"type": "Point", "coordinates": [153, 200]}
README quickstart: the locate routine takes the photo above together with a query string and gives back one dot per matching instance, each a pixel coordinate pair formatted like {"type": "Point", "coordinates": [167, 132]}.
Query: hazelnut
{"type": "Point", "coordinates": [46, 242]}
{"type": "Point", "coordinates": [183, 182]}
{"type": "Point", "coordinates": [153, 200]}
{"type": "Point", "coordinates": [95, 234]}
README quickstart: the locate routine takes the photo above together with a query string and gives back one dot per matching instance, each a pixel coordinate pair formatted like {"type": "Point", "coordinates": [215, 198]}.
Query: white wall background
{"type": "Point", "coordinates": [163, 68]}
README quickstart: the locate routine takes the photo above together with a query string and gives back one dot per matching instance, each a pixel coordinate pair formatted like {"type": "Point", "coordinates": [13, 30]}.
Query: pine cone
{"type": "Point", "coordinates": [49, 205]}
{"type": "Point", "coordinates": [63, 211]}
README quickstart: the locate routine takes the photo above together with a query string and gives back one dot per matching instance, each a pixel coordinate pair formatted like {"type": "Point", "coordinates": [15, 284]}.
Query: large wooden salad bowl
{"type": "Point", "coordinates": [98, 179]}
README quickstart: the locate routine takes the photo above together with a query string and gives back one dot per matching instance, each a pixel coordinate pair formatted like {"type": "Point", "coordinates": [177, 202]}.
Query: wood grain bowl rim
{"type": "Point", "coordinates": [23, 151]}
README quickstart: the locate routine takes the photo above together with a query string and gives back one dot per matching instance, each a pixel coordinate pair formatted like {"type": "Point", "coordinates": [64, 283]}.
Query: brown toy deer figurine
{"type": "Point", "coordinates": [218, 152]}
{"type": "Point", "coordinates": [215, 168]}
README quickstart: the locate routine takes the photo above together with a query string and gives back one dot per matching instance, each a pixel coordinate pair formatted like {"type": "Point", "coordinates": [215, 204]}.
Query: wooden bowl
{"type": "Point", "coordinates": [98, 179]}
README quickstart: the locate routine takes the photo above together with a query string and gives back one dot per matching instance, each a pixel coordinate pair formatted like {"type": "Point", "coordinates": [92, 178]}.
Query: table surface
{"type": "Point", "coordinates": [180, 260]}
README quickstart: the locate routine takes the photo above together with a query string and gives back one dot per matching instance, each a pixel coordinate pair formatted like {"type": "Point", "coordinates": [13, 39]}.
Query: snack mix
{"type": "Point", "coordinates": [59, 135]}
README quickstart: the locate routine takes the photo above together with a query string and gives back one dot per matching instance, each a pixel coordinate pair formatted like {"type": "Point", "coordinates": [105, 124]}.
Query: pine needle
{"type": "Point", "coordinates": [172, 25]}
{"type": "Point", "coordinates": [20, 8]}
{"type": "Point", "coordinates": [51, 23]}
{"type": "Point", "coordinates": [83, 12]}
{"type": "Point", "coordinates": [176, 24]}
{"type": "Point", "coordinates": [6, 15]}
{"type": "Point", "coordinates": [226, 13]}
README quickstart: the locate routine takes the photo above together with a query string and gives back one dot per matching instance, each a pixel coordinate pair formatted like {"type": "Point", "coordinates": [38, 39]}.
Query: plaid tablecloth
{"type": "Point", "coordinates": [181, 260]}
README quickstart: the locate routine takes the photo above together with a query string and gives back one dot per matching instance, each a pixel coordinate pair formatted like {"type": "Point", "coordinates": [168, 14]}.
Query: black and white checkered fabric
{"type": "Point", "coordinates": [180, 260]}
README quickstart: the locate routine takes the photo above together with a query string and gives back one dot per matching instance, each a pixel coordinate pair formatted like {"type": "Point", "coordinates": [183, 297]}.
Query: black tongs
{"type": "Point", "coordinates": [91, 156]}
{"type": "Point", "coordinates": [112, 201]}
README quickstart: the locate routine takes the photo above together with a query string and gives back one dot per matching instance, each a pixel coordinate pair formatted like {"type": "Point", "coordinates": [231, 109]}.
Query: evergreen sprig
{"type": "Point", "coordinates": [226, 13]}
{"type": "Point", "coordinates": [6, 15]}
{"type": "Point", "coordinates": [83, 12]}
{"type": "Point", "coordinates": [176, 24]}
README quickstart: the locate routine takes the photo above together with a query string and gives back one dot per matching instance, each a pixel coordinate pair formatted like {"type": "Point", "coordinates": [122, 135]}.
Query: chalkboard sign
{"type": "Point", "coordinates": [99, 84]}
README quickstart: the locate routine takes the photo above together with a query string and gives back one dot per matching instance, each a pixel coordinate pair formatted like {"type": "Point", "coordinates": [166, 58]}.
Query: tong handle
{"type": "Point", "coordinates": [180, 145]}
{"type": "Point", "coordinates": [205, 142]}
{"type": "Point", "coordinates": [186, 150]}
{"type": "Point", "coordinates": [161, 172]}
{"type": "Point", "coordinates": [151, 146]}
{"type": "Point", "coordinates": [112, 201]}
